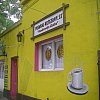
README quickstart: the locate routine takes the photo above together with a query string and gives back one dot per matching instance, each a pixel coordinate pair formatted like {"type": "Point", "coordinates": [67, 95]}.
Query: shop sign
{"type": "Point", "coordinates": [50, 22]}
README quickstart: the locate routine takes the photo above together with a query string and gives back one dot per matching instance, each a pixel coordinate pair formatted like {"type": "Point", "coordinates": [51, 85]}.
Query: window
{"type": "Point", "coordinates": [49, 54]}
{"type": "Point", "coordinates": [1, 71]}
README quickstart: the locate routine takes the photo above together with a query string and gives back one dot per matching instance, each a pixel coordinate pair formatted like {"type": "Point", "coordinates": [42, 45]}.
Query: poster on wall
{"type": "Point", "coordinates": [51, 22]}
{"type": "Point", "coordinates": [76, 84]}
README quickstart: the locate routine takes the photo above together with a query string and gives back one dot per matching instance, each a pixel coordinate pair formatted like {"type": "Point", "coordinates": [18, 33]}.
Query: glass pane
{"type": "Point", "coordinates": [1, 71]}
{"type": "Point", "coordinates": [47, 56]}
{"type": "Point", "coordinates": [59, 54]}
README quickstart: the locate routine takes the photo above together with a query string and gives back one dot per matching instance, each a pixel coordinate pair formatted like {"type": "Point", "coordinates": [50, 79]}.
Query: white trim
{"type": "Point", "coordinates": [46, 70]}
{"type": "Point", "coordinates": [47, 42]}
{"type": "Point", "coordinates": [56, 69]}
{"type": "Point", "coordinates": [40, 57]}
{"type": "Point", "coordinates": [53, 56]}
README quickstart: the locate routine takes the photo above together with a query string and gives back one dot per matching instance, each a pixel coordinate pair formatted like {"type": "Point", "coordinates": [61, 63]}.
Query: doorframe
{"type": "Point", "coordinates": [99, 71]}
{"type": "Point", "coordinates": [15, 57]}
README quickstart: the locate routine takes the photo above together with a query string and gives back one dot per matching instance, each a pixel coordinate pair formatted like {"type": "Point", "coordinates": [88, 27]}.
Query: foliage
{"type": "Point", "coordinates": [10, 13]}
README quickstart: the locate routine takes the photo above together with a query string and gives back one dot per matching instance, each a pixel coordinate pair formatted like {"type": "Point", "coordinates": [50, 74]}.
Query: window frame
{"type": "Point", "coordinates": [37, 56]}
{"type": "Point", "coordinates": [40, 56]}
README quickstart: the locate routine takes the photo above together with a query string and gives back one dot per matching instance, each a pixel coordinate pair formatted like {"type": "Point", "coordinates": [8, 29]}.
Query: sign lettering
{"type": "Point", "coordinates": [49, 23]}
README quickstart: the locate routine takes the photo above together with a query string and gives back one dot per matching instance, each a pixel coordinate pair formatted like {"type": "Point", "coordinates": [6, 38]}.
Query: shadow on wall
{"type": "Point", "coordinates": [25, 76]}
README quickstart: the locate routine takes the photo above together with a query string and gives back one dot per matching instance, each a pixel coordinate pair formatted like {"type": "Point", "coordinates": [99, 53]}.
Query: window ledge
{"type": "Point", "coordinates": [57, 69]}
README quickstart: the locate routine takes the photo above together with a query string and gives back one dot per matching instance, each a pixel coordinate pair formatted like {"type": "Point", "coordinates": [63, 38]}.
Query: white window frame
{"type": "Point", "coordinates": [53, 55]}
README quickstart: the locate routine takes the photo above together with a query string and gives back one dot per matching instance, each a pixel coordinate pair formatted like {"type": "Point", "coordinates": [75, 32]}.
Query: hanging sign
{"type": "Point", "coordinates": [50, 22]}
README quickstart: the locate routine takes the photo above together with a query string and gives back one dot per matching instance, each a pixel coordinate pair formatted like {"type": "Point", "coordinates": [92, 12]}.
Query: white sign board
{"type": "Point", "coordinates": [53, 21]}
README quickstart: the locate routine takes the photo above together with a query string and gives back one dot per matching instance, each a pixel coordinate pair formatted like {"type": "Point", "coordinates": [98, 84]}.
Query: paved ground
{"type": "Point", "coordinates": [1, 97]}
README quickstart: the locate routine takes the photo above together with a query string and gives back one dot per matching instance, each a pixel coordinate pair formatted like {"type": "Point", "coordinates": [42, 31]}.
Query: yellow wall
{"type": "Point", "coordinates": [80, 49]}
{"type": "Point", "coordinates": [98, 13]}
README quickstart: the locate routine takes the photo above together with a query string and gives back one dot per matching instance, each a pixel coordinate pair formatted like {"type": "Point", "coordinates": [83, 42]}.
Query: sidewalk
{"type": "Point", "coordinates": [1, 97]}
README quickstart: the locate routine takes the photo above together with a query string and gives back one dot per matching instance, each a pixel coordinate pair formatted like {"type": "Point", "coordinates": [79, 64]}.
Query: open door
{"type": "Point", "coordinates": [14, 77]}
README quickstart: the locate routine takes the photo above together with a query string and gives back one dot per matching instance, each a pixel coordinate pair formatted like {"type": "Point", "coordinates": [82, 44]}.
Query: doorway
{"type": "Point", "coordinates": [14, 77]}
{"type": "Point", "coordinates": [1, 75]}
{"type": "Point", "coordinates": [99, 70]}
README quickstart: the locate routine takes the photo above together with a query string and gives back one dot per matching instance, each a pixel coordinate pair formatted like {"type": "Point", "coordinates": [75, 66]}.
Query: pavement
{"type": "Point", "coordinates": [2, 97]}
